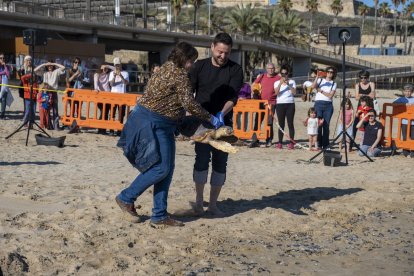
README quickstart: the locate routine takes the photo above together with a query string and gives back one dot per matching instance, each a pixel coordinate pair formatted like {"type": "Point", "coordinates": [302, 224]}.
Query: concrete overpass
{"type": "Point", "coordinates": [133, 38]}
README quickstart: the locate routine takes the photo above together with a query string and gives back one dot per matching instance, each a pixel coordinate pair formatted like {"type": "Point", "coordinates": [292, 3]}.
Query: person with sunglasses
{"type": "Point", "coordinates": [373, 133]}
{"type": "Point", "coordinates": [326, 88]}
{"type": "Point", "coordinates": [363, 88]}
{"type": "Point", "coordinates": [285, 90]}
{"type": "Point", "coordinates": [51, 77]}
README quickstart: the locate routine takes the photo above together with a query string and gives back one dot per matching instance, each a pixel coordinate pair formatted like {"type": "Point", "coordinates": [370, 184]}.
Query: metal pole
{"type": "Point", "coordinates": [144, 14]}
{"type": "Point", "coordinates": [209, 17]}
{"type": "Point", "coordinates": [343, 102]}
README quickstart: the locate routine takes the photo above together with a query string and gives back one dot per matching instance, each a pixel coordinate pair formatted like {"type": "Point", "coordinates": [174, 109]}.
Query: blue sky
{"type": "Point", "coordinates": [369, 3]}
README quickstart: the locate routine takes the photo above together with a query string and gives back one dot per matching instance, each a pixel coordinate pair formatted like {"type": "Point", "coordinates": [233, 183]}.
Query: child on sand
{"type": "Point", "coordinates": [44, 98]}
{"type": "Point", "coordinates": [349, 121]}
{"type": "Point", "coordinates": [312, 123]}
{"type": "Point", "coordinates": [363, 108]}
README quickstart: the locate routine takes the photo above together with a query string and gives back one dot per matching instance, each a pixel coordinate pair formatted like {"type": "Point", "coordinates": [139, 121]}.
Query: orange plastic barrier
{"type": "Point", "coordinates": [248, 113]}
{"type": "Point", "coordinates": [94, 109]}
{"type": "Point", "coordinates": [391, 118]}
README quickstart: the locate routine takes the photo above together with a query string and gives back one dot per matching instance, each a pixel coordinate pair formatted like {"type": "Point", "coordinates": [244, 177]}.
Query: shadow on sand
{"type": "Point", "coordinates": [40, 163]}
{"type": "Point", "coordinates": [292, 201]}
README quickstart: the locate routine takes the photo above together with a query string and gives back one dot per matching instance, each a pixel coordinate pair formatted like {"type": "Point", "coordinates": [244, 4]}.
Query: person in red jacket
{"type": "Point", "coordinates": [29, 103]}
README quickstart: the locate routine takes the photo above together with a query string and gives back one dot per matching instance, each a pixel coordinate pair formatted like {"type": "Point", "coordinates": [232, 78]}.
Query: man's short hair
{"type": "Point", "coordinates": [409, 86]}
{"type": "Point", "coordinates": [224, 38]}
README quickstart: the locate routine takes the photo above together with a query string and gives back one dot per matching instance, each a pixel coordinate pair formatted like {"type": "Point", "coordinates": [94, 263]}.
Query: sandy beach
{"type": "Point", "coordinates": [284, 215]}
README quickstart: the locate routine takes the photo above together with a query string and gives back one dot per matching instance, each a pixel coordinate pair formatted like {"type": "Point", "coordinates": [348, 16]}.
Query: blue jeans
{"type": "Point", "coordinates": [27, 116]}
{"type": "Point", "coordinates": [324, 109]}
{"type": "Point", "coordinates": [160, 174]}
{"type": "Point", "coordinates": [3, 103]}
{"type": "Point", "coordinates": [373, 153]}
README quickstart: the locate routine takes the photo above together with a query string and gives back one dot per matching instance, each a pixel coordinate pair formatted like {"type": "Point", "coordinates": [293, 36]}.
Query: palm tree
{"type": "Point", "coordinates": [243, 19]}
{"type": "Point", "coordinates": [384, 10]}
{"type": "Point", "coordinates": [363, 11]}
{"type": "Point", "coordinates": [396, 3]}
{"type": "Point", "coordinates": [196, 4]}
{"type": "Point", "coordinates": [312, 7]}
{"type": "Point", "coordinates": [285, 5]}
{"type": "Point", "coordinates": [337, 8]}
{"type": "Point", "coordinates": [289, 28]}
{"type": "Point", "coordinates": [409, 10]}
{"type": "Point", "coordinates": [402, 15]}
{"type": "Point", "coordinates": [176, 5]}
{"type": "Point", "coordinates": [375, 19]}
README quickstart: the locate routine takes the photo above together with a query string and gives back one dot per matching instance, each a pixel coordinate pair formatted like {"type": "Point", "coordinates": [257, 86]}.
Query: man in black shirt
{"type": "Point", "coordinates": [216, 82]}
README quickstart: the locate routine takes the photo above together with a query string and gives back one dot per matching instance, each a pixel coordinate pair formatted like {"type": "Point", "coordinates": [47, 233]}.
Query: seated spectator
{"type": "Point", "coordinates": [373, 134]}
{"type": "Point", "coordinates": [408, 99]}
{"type": "Point", "coordinates": [364, 107]}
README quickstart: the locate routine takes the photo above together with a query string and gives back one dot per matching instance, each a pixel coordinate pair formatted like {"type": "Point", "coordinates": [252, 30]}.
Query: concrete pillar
{"type": "Point", "coordinates": [237, 56]}
{"type": "Point", "coordinates": [301, 66]}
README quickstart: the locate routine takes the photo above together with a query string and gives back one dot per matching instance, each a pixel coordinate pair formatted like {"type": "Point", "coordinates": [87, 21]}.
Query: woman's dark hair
{"type": "Point", "coordinates": [224, 38]}
{"type": "Point", "coordinates": [368, 100]}
{"type": "Point", "coordinates": [77, 59]}
{"type": "Point", "coordinates": [333, 69]}
{"type": "Point", "coordinates": [311, 110]}
{"type": "Point", "coordinates": [363, 73]}
{"type": "Point", "coordinates": [182, 53]}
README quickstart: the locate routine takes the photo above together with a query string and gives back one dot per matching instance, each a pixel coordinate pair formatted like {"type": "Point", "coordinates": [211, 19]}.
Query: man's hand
{"type": "Point", "coordinates": [215, 122]}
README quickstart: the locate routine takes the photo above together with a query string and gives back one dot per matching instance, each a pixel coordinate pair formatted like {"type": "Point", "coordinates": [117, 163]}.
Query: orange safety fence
{"type": "Point", "coordinates": [251, 117]}
{"type": "Point", "coordinates": [103, 110]}
{"type": "Point", "coordinates": [392, 117]}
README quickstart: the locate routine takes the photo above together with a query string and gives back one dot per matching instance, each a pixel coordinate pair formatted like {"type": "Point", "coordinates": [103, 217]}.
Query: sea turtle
{"type": "Point", "coordinates": [216, 138]}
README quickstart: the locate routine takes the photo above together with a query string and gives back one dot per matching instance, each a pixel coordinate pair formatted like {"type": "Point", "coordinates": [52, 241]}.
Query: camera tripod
{"type": "Point", "coordinates": [29, 122]}
{"type": "Point", "coordinates": [343, 133]}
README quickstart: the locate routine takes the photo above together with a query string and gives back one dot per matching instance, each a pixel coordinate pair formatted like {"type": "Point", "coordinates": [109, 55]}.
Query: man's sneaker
{"type": "Point", "coordinates": [279, 146]}
{"type": "Point", "coordinates": [291, 146]}
{"type": "Point", "coordinates": [129, 211]}
{"type": "Point", "coordinates": [167, 222]}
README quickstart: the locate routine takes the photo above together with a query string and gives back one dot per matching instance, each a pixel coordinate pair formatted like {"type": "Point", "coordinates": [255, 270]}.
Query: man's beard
{"type": "Point", "coordinates": [220, 62]}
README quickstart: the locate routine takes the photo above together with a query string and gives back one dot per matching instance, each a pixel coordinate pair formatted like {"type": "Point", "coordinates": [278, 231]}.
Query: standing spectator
{"type": "Point", "coordinates": [155, 68]}
{"type": "Point", "coordinates": [74, 78]}
{"type": "Point", "coordinates": [285, 90]}
{"type": "Point", "coordinates": [216, 82]}
{"type": "Point", "coordinates": [308, 90]}
{"type": "Point", "coordinates": [267, 82]}
{"type": "Point", "coordinates": [245, 93]}
{"type": "Point", "coordinates": [4, 81]}
{"type": "Point", "coordinates": [101, 84]}
{"type": "Point", "coordinates": [150, 129]}
{"type": "Point", "coordinates": [118, 79]}
{"type": "Point", "coordinates": [312, 123]}
{"type": "Point", "coordinates": [101, 78]}
{"type": "Point", "coordinates": [74, 75]}
{"type": "Point", "coordinates": [349, 120]}
{"type": "Point", "coordinates": [363, 88]}
{"type": "Point", "coordinates": [408, 99]}
{"type": "Point", "coordinates": [51, 77]}
{"type": "Point", "coordinates": [29, 102]}
{"type": "Point", "coordinates": [44, 98]}
{"type": "Point", "coordinates": [373, 133]}
{"type": "Point", "coordinates": [326, 89]}
{"type": "Point", "coordinates": [26, 69]}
